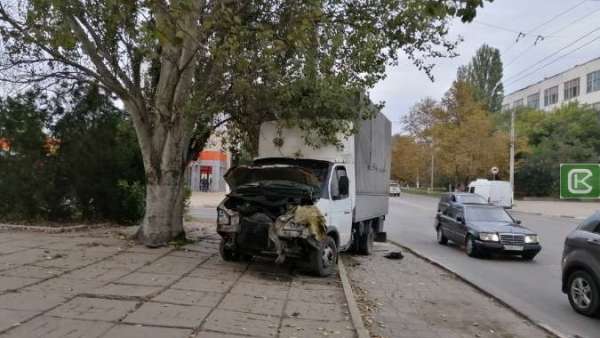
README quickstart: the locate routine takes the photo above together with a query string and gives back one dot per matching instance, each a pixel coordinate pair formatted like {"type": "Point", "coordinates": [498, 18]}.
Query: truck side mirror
{"type": "Point", "coordinates": [344, 185]}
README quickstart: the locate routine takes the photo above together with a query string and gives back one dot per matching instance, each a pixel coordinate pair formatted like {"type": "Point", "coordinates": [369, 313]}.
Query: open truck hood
{"type": "Point", "coordinates": [284, 180]}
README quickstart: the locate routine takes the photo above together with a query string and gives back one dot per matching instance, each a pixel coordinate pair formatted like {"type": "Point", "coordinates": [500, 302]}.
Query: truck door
{"type": "Point", "coordinates": [341, 205]}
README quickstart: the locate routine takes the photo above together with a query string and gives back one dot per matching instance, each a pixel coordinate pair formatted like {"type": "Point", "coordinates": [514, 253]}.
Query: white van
{"type": "Point", "coordinates": [495, 192]}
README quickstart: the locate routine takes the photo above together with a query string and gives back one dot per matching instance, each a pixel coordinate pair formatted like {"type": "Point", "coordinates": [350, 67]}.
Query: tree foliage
{"type": "Point", "coordinates": [462, 135]}
{"type": "Point", "coordinates": [184, 67]}
{"type": "Point", "coordinates": [570, 133]}
{"type": "Point", "coordinates": [484, 74]}
{"type": "Point", "coordinates": [73, 159]}
{"type": "Point", "coordinates": [409, 165]}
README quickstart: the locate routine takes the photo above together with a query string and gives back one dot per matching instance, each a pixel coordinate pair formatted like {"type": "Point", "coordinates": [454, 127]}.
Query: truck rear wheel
{"type": "Point", "coordinates": [365, 241]}
{"type": "Point", "coordinates": [324, 259]}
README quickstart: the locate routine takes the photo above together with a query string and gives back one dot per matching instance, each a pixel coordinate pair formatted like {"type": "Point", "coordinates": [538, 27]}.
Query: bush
{"type": "Point", "coordinates": [131, 202]}
{"type": "Point", "coordinates": [81, 163]}
{"type": "Point", "coordinates": [568, 134]}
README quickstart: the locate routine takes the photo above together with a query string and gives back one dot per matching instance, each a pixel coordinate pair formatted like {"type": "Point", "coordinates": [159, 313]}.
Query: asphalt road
{"type": "Point", "coordinates": [533, 288]}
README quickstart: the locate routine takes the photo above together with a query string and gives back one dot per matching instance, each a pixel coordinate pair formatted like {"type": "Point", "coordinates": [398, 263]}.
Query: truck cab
{"type": "Point", "coordinates": [297, 202]}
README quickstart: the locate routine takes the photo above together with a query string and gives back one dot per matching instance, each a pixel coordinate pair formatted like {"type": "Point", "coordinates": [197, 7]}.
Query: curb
{"type": "Point", "coordinates": [52, 230]}
{"type": "Point", "coordinates": [355, 316]}
{"type": "Point", "coordinates": [544, 327]}
{"type": "Point", "coordinates": [546, 215]}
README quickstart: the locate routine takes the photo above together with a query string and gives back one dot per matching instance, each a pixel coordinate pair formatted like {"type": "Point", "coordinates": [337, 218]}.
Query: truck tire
{"type": "Point", "coordinates": [365, 240]}
{"type": "Point", "coordinates": [228, 254]}
{"type": "Point", "coordinates": [324, 259]}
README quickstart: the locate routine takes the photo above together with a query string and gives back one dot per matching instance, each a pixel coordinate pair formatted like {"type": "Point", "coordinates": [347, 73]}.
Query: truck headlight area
{"type": "Point", "coordinates": [530, 239]}
{"type": "Point", "coordinates": [222, 217]}
{"type": "Point", "coordinates": [227, 220]}
{"type": "Point", "coordinates": [489, 237]}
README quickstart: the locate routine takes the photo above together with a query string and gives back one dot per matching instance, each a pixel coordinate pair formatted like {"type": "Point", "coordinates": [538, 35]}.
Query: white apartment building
{"type": "Point", "coordinates": [580, 83]}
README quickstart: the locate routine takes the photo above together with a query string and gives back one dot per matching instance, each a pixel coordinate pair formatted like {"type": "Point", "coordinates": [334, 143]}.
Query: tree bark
{"type": "Point", "coordinates": [164, 148]}
{"type": "Point", "coordinates": [163, 219]}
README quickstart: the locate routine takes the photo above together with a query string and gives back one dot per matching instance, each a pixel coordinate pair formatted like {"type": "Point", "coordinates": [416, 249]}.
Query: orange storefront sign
{"type": "Point", "coordinates": [212, 155]}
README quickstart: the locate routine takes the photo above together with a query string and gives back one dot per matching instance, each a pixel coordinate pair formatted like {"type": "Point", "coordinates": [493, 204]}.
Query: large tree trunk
{"type": "Point", "coordinates": [165, 165]}
{"type": "Point", "coordinates": [164, 150]}
{"type": "Point", "coordinates": [163, 219]}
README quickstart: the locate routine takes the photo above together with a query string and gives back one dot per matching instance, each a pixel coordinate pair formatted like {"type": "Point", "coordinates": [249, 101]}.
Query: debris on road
{"type": "Point", "coordinates": [394, 255]}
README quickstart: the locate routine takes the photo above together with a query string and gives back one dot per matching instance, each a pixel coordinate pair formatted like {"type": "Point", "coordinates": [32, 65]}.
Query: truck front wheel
{"type": "Point", "coordinates": [227, 253]}
{"type": "Point", "coordinates": [324, 259]}
{"type": "Point", "coordinates": [366, 239]}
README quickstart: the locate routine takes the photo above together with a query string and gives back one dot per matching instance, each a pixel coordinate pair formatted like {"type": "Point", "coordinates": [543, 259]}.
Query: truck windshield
{"type": "Point", "coordinates": [487, 214]}
{"type": "Point", "coordinates": [318, 168]}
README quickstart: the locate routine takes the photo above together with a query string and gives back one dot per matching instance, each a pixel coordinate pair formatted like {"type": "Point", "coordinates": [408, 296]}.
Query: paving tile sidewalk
{"type": "Point", "coordinates": [411, 298]}
{"type": "Point", "coordinates": [95, 285]}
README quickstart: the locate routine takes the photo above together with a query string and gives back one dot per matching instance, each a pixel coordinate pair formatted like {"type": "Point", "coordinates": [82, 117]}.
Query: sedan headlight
{"type": "Point", "coordinates": [489, 237]}
{"type": "Point", "coordinates": [530, 239]}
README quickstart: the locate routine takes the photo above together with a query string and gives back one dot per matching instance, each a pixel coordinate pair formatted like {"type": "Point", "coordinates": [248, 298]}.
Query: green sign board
{"type": "Point", "coordinates": [579, 180]}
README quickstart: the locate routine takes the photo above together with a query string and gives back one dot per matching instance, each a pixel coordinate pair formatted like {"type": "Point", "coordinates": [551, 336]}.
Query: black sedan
{"type": "Point", "coordinates": [486, 229]}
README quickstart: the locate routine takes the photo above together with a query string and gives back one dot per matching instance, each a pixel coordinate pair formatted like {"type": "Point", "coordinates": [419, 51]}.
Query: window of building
{"type": "Point", "coordinates": [533, 101]}
{"type": "Point", "coordinates": [593, 81]}
{"type": "Point", "coordinates": [572, 89]}
{"type": "Point", "coordinates": [518, 104]}
{"type": "Point", "coordinates": [551, 96]}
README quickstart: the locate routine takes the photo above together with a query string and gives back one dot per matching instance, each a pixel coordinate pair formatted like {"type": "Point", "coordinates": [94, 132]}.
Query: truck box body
{"type": "Point", "coordinates": [372, 162]}
{"type": "Point", "coordinates": [297, 201]}
{"type": "Point", "coordinates": [366, 155]}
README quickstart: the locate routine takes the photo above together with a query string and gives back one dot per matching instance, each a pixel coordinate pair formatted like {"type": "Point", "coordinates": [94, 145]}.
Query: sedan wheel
{"type": "Point", "coordinates": [441, 238]}
{"type": "Point", "coordinates": [583, 293]}
{"type": "Point", "coordinates": [470, 248]}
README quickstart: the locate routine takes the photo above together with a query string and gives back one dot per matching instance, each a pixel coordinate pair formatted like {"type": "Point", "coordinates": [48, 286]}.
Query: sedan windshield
{"type": "Point", "coordinates": [486, 214]}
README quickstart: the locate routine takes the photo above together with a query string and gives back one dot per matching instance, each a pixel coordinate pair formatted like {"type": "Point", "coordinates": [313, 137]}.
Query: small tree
{"type": "Point", "coordinates": [184, 67]}
{"type": "Point", "coordinates": [484, 74]}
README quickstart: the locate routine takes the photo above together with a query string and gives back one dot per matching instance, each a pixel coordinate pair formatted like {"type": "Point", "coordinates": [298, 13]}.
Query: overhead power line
{"type": "Point", "coordinates": [556, 16]}
{"type": "Point", "coordinates": [556, 52]}
{"type": "Point", "coordinates": [521, 34]}
{"type": "Point", "coordinates": [570, 24]}
{"type": "Point", "coordinates": [491, 25]}
{"type": "Point", "coordinates": [554, 61]}
{"type": "Point", "coordinates": [537, 40]}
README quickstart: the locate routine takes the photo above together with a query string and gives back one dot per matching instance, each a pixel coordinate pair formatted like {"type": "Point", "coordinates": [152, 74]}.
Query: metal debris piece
{"type": "Point", "coordinates": [394, 255]}
{"type": "Point", "coordinates": [302, 222]}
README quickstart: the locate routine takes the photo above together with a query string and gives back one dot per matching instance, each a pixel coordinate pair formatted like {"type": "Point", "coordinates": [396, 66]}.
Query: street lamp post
{"type": "Point", "coordinates": [512, 149]}
{"type": "Point", "coordinates": [432, 163]}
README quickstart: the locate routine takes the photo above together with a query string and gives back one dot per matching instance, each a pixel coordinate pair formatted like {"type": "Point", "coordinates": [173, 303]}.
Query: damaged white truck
{"type": "Point", "coordinates": [307, 204]}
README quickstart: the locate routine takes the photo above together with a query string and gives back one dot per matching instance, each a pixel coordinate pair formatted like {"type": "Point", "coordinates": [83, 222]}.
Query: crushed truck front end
{"type": "Point", "coordinates": [271, 211]}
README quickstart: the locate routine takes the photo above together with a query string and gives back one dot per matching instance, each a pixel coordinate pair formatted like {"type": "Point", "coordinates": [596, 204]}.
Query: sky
{"type": "Point", "coordinates": [560, 22]}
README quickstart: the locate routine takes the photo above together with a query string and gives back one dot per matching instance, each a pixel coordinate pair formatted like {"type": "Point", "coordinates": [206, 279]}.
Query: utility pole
{"type": "Point", "coordinates": [432, 163]}
{"type": "Point", "coordinates": [512, 149]}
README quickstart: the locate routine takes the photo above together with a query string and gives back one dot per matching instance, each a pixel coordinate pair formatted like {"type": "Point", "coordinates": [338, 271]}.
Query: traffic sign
{"type": "Point", "coordinates": [579, 180]}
